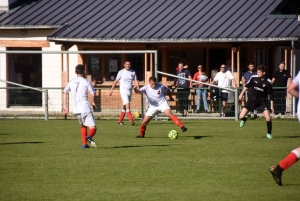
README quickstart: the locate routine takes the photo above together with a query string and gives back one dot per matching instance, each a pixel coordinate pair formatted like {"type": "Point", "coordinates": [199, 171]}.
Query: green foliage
{"type": "Point", "coordinates": [213, 160]}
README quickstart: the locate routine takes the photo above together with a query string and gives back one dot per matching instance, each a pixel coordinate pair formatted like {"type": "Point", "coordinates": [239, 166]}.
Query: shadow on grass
{"type": "Point", "coordinates": [6, 133]}
{"type": "Point", "coordinates": [138, 146]}
{"type": "Point", "coordinates": [198, 137]}
{"type": "Point", "coordinates": [9, 143]}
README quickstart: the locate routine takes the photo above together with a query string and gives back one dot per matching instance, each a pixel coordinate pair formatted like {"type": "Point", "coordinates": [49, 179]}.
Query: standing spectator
{"type": "Point", "coordinates": [201, 90]}
{"type": "Point", "coordinates": [224, 79]}
{"type": "Point", "coordinates": [281, 78]}
{"type": "Point", "coordinates": [126, 76]}
{"type": "Point", "coordinates": [261, 88]}
{"type": "Point", "coordinates": [79, 88]}
{"type": "Point", "coordinates": [183, 88]}
{"type": "Point", "coordinates": [245, 78]}
{"type": "Point", "coordinates": [294, 156]}
{"type": "Point", "coordinates": [155, 93]}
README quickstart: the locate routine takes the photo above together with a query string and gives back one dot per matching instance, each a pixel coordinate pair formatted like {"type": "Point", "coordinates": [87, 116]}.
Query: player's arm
{"type": "Point", "coordinates": [273, 80]}
{"type": "Point", "coordinates": [271, 96]}
{"type": "Point", "coordinates": [113, 86]}
{"type": "Point", "coordinates": [242, 93]}
{"type": "Point", "coordinates": [65, 106]}
{"type": "Point", "coordinates": [293, 89]}
{"type": "Point", "coordinates": [136, 83]}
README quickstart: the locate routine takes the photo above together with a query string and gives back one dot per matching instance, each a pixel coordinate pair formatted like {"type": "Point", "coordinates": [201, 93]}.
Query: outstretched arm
{"type": "Point", "coordinates": [242, 93]}
{"type": "Point", "coordinates": [65, 107]}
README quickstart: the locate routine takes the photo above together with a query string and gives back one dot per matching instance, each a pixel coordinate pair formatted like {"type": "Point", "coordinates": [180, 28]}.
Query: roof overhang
{"type": "Point", "coordinates": [29, 26]}
{"type": "Point", "coordinates": [170, 40]}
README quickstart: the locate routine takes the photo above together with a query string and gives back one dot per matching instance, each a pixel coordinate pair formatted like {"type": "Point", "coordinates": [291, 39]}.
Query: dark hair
{"type": "Point", "coordinates": [282, 63]}
{"type": "Point", "coordinates": [127, 61]}
{"type": "Point", "coordinates": [180, 62]}
{"type": "Point", "coordinates": [250, 63]}
{"type": "Point", "coordinates": [152, 79]}
{"type": "Point", "coordinates": [262, 68]}
{"type": "Point", "coordinates": [79, 69]}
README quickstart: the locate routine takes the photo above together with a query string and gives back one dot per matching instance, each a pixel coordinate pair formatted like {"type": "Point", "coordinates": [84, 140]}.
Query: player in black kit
{"type": "Point", "coordinates": [261, 88]}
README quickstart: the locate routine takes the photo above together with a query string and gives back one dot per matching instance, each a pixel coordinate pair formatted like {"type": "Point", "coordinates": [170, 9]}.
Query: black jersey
{"type": "Point", "coordinates": [260, 89]}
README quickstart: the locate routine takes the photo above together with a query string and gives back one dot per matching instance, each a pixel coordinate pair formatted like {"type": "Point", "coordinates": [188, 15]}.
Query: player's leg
{"type": "Point", "coordinates": [127, 106]}
{"type": "Point", "coordinates": [89, 121]}
{"type": "Point", "coordinates": [147, 118]}
{"type": "Point", "coordinates": [243, 116]}
{"type": "Point", "coordinates": [284, 164]}
{"type": "Point", "coordinates": [169, 114]}
{"type": "Point", "coordinates": [83, 131]}
{"type": "Point", "coordinates": [122, 115]}
{"type": "Point", "coordinates": [269, 122]}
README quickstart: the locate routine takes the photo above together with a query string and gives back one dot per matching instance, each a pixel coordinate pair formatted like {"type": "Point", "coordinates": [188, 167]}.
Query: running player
{"type": "Point", "coordinates": [158, 103]}
{"type": "Point", "coordinates": [261, 88]}
{"type": "Point", "coordinates": [79, 88]}
{"type": "Point", "coordinates": [126, 76]}
{"type": "Point", "coordinates": [294, 156]}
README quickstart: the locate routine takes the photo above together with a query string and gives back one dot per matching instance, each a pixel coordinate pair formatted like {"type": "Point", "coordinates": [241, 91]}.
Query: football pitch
{"type": "Point", "coordinates": [214, 160]}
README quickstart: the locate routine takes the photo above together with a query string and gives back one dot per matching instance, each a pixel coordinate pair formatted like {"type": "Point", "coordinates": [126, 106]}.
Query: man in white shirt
{"type": "Point", "coordinates": [224, 78]}
{"type": "Point", "coordinates": [155, 93]}
{"type": "Point", "coordinates": [126, 76]}
{"type": "Point", "coordinates": [79, 88]}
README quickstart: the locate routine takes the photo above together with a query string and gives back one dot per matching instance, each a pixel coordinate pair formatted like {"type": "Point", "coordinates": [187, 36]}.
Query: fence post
{"type": "Point", "coordinates": [46, 104]}
{"type": "Point", "coordinates": [236, 104]}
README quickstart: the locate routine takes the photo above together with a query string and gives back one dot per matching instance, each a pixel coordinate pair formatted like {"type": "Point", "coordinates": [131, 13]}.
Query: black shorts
{"type": "Point", "coordinates": [224, 96]}
{"type": "Point", "coordinates": [262, 106]}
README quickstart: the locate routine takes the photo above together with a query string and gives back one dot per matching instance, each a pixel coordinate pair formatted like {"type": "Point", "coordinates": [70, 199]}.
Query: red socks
{"type": "Point", "coordinates": [122, 115]}
{"type": "Point", "coordinates": [83, 131]}
{"type": "Point", "coordinates": [289, 160]}
{"type": "Point", "coordinates": [177, 121]}
{"type": "Point", "coordinates": [129, 116]}
{"type": "Point", "coordinates": [92, 132]}
{"type": "Point", "coordinates": [142, 131]}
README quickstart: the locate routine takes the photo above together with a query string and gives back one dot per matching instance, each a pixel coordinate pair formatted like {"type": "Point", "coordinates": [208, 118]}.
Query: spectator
{"type": "Point", "coordinates": [201, 89]}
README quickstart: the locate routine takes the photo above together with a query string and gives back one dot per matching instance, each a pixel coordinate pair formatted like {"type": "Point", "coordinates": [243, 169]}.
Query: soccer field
{"type": "Point", "coordinates": [213, 160]}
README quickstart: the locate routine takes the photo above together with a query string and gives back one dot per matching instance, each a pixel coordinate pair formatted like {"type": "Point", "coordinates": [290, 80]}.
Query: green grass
{"type": "Point", "coordinates": [213, 160]}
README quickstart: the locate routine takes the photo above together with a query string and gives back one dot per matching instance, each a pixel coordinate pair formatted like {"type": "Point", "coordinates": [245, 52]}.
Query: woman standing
{"type": "Point", "coordinates": [201, 89]}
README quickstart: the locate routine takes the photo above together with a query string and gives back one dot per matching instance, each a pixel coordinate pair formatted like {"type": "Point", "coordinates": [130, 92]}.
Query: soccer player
{"type": "Point", "coordinates": [126, 76]}
{"type": "Point", "coordinates": [79, 88]}
{"type": "Point", "coordinates": [158, 103]}
{"type": "Point", "coordinates": [261, 88]}
{"type": "Point", "coordinates": [294, 156]}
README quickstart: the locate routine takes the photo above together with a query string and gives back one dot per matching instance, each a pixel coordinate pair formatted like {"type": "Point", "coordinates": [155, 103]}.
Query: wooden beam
{"type": "Point", "coordinates": [24, 43]}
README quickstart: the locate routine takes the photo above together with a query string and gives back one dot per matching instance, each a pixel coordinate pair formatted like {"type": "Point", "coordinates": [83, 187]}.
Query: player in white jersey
{"type": "Point", "coordinates": [79, 88]}
{"type": "Point", "coordinates": [155, 93]}
{"type": "Point", "coordinates": [294, 155]}
{"type": "Point", "coordinates": [126, 76]}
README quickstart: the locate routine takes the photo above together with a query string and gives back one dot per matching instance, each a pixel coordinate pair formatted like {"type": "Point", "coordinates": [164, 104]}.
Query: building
{"type": "Point", "coordinates": [209, 32]}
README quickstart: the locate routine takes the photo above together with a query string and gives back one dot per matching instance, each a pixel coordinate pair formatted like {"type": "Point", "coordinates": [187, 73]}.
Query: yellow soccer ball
{"type": "Point", "coordinates": [136, 115]}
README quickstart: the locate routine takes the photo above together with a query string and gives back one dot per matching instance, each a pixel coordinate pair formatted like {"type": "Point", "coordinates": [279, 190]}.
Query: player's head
{"type": "Point", "coordinates": [127, 65]}
{"type": "Point", "coordinates": [261, 70]}
{"type": "Point", "coordinates": [79, 69]}
{"type": "Point", "coordinates": [223, 68]}
{"type": "Point", "coordinates": [152, 82]}
{"type": "Point", "coordinates": [251, 66]}
{"type": "Point", "coordinates": [281, 66]}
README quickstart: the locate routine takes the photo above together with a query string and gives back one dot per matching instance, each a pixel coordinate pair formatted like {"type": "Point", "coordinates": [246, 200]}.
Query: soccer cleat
{"type": "Point", "coordinates": [121, 123]}
{"type": "Point", "coordinates": [85, 146]}
{"type": "Point", "coordinates": [183, 129]}
{"type": "Point", "coordinates": [269, 136]}
{"type": "Point", "coordinates": [132, 123]}
{"type": "Point", "coordinates": [139, 136]}
{"type": "Point", "coordinates": [90, 140]}
{"type": "Point", "coordinates": [276, 174]}
{"type": "Point", "coordinates": [242, 123]}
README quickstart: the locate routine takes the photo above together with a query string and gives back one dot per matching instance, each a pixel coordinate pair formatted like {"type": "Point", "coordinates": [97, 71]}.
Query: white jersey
{"type": "Point", "coordinates": [296, 80]}
{"type": "Point", "coordinates": [126, 77]}
{"type": "Point", "coordinates": [224, 79]}
{"type": "Point", "coordinates": [155, 96]}
{"type": "Point", "coordinates": [79, 87]}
